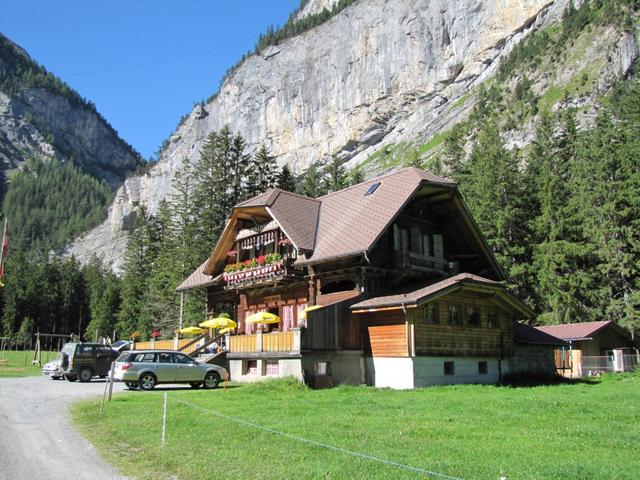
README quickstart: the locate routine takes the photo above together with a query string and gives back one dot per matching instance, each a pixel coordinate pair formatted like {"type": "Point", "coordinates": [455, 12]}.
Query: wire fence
{"type": "Point", "coordinates": [315, 443]}
{"type": "Point", "coordinates": [597, 365]}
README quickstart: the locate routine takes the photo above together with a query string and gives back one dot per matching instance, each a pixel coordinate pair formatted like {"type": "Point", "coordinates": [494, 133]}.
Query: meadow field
{"type": "Point", "coordinates": [18, 363]}
{"type": "Point", "coordinates": [584, 430]}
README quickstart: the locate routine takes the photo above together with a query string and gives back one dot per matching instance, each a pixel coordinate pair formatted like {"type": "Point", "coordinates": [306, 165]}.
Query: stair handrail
{"type": "Point", "coordinates": [206, 344]}
{"type": "Point", "coordinates": [194, 341]}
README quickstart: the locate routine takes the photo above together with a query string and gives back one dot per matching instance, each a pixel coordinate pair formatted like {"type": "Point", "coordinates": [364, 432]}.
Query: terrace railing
{"type": "Point", "coordinates": [265, 342]}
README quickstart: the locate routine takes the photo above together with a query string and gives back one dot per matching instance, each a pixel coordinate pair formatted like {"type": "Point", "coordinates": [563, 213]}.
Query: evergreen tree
{"type": "Point", "coordinates": [311, 183]}
{"type": "Point", "coordinates": [138, 260]}
{"type": "Point", "coordinates": [211, 189]}
{"type": "Point", "coordinates": [453, 156]}
{"type": "Point", "coordinates": [263, 172]}
{"type": "Point", "coordinates": [356, 176]}
{"type": "Point", "coordinates": [103, 290]}
{"type": "Point", "coordinates": [492, 192]}
{"type": "Point", "coordinates": [240, 170]}
{"type": "Point", "coordinates": [613, 221]}
{"type": "Point", "coordinates": [286, 181]}
{"type": "Point", "coordinates": [335, 176]}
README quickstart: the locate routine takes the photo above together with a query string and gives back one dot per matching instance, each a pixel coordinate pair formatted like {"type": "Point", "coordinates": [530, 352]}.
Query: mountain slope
{"type": "Point", "coordinates": [41, 116]}
{"type": "Point", "coordinates": [375, 84]}
{"type": "Point", "coordinates": [60, 159]}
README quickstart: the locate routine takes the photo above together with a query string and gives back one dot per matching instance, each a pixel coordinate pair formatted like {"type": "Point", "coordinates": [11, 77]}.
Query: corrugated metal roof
{"type": "Point", "coordinates": [574, 331]}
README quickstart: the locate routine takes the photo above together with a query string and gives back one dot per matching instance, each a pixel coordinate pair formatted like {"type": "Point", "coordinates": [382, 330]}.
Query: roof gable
{"type": "Point", "coordinates": [296, 215]}
{"type": "Point", "coordinates": [351, 222]}
{"type": "Point", "coordinates": [417, 295]}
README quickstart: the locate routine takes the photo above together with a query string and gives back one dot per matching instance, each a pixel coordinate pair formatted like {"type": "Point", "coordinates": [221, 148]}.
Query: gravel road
{"type": "Point", "coordinates": [37, 440]}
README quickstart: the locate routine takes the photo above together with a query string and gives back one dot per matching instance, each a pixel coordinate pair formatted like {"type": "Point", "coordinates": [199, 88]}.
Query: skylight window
{"type": "Point", "coordinates": [372, 188]}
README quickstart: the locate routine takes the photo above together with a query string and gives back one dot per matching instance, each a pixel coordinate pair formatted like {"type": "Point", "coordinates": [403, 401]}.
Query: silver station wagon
{"type": "Point", "coordinates": [147, 368]}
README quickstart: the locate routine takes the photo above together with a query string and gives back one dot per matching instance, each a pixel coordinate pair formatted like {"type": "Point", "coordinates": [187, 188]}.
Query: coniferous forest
{"type": "Point", "coordinates": [562, 213]}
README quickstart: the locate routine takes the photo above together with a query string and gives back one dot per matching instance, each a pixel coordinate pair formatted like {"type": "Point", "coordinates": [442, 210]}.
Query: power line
{"type": "Point", "coordinates": [149, 63]}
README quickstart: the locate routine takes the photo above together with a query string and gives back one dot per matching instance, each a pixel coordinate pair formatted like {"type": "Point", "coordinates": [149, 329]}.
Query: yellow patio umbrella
{"type": "Point", "coordinates": [219, 322]}
{"type": "Point", "coordinates": [310, 309]}
{"type": "Point", "coordinates": [225, 330]}
{"type": "Point", "coordinates": [263, 317]}
{"type": "Point", "coordinates": [191, 331]}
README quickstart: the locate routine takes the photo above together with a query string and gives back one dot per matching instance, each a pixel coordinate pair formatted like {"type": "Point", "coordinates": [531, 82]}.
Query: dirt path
{"type": "Point", "coordinates": [36, 436]}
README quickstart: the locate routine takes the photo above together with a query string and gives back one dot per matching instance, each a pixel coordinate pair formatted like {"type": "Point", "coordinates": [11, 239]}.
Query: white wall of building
{"type": "Point", "coordinates": [430, 370]}
{"type": "Point", "coordinates": [390, 372]}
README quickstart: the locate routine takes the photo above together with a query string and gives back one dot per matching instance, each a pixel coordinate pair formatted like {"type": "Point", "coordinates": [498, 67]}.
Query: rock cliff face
{"type": "Point", "coordinates": [380, 72]}
{"type": "Point", "coordinates": [43, 121]}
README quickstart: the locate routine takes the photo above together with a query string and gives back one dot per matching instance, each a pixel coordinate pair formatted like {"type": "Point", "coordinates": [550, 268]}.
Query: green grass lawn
{"type": "Point", "coordinates": [19, 363]}
{"type": "Point", "coordinates": [569, 431]}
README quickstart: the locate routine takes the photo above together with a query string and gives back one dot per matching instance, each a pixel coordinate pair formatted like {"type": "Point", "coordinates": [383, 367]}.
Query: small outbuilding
{"type": "Point", "coordinates": [592, 347]}
{"type": "Point", "coordinates": [592, 338]}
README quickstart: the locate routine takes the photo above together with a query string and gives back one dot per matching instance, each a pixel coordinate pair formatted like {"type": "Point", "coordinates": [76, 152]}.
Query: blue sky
{"type": "Point", "coordinates": [142, 62]}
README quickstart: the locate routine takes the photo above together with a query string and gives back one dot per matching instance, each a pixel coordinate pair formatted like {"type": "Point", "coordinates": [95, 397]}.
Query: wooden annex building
{"type": "Point", "coordinates": [388, 282]}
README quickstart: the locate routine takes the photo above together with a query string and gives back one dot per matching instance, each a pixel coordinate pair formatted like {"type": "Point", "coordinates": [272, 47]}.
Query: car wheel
{"type": "Point", "coordinates": [70, 378]}
{"type": "Point", "coordinates": [211, 380]}
{"type": "Point", "coordinates": [85, 375]}
{"type": "Point", "coordinates": [147, 381]}
{"type": "Point", "coordinates": [195, 384]}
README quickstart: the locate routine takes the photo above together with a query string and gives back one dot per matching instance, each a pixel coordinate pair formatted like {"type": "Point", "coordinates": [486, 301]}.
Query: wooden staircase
{"type": "Point", "coordinates": [218, 358]}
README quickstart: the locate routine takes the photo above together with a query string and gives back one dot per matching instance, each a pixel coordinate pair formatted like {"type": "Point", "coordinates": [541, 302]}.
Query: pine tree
{"type": "Point", "coordinates": [356, 176]}
{"type": "Point", "coordinates": [239, 171]}
{"type": "Point", "coordinates": [263, 172]}
{"type": "Point", "coordinates": [286, 181]}
{"type": "Point", "coordinates": [210, 195]}
{"type": "Point", "coordinates": [614, 216]}
{"type": "Point", "coordinates": [492, 192]}
{"type": "Point", "coordinates": [453, 156]}
{"type": "Point", "coordinates": [335, 176]}
{"type": "Point", "coordinates": [556, 251]}
{"type": "Point", "coordinates": [311, 183]}
{"type": "Point", "coordinates": [138, 260]}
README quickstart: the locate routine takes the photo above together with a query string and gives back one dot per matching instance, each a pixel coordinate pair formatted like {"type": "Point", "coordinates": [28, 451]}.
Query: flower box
{"type": "Point", "coordinates": [253, 273]}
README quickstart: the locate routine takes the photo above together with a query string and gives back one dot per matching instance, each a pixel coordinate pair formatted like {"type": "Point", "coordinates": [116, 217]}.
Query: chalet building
{"type": "Point", "coordinates": [388, 282]}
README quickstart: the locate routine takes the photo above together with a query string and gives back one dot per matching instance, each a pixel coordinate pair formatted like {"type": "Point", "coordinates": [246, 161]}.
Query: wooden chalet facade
{"type": "Point", "coordinates": [405, 289]}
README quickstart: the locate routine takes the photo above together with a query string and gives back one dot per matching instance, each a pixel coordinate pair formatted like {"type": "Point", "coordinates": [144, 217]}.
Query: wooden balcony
{"type": "Point", "coordinates": [283, 342]}
{"type": "Point", "coordinates": [259, 276]}
{"type": "Point", "coordinates": [419, 263]}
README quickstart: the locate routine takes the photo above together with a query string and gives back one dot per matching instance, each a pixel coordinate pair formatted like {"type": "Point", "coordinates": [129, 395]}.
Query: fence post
{"type": "Point", "coordinates": [113, 368]}
{"type": "Point", "coordinates": [164, 419]}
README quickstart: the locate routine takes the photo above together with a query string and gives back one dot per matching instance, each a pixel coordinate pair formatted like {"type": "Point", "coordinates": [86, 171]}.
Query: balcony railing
{"type": "Point", "coordinates": [416, 261]}
{"type": "Point", "coordinates": [265, 342]}
{"type": "Point", "coordinates": [262, 273]}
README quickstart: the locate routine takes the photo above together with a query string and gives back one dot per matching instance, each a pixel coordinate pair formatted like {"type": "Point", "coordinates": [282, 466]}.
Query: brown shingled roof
{"type": "Point", "coordinates": [412, 295]}
{"type": "Point", "coordinates": [350, 222]}
{"type": "Point", "coordinates": [198, 279]}
{"type": "Point", "coordinates": [343, 223]}
{"type": "Point", "coordinates": [575, 331]}
{"type": "Point", "coordinates": [298, 217]}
